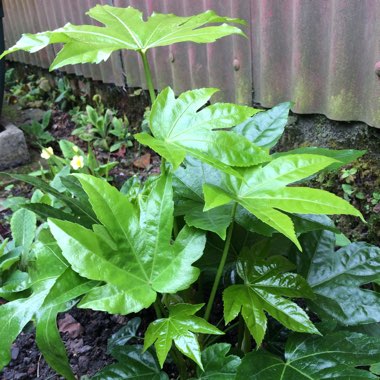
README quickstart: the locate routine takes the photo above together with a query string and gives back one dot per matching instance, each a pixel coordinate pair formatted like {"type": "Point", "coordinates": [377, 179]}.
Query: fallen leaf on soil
{"type": "Point", "coordinates": [70, 326]}
{"type": "Point", "coordinates": [142, 162]}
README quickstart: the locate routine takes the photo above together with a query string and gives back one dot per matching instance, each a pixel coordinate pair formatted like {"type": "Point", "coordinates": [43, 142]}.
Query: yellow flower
{"type": "Point", "coordinates": [77, 162]}
{"type": "Point", "coordinates": [47, 153]}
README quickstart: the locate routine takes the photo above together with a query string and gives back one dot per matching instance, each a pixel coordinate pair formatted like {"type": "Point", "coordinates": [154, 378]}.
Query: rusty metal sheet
{"type": "Point", "coordinates": [320, 54]}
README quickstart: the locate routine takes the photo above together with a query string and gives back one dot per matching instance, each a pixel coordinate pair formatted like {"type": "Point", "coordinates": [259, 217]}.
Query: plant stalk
{"type": "Point", "coordinates": [180, 363]}
{"type": "Point", "coordinates": [222, 263]}
{"type": "Point", "coordinates": [148, 76]}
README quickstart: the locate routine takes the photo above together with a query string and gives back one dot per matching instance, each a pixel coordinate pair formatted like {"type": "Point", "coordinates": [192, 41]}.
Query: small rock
{"type": "Point", "coordinates": [70, 326]}
{"type": "Point", "coordinates": [14, 352]}
{"type": "Point", "coordinates": [142, 162]}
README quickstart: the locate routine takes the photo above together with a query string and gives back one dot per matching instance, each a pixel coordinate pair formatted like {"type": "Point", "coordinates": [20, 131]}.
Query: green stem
{"type": "Point", "coordinates": [157, 309]}
{"type": "Point", "coordinates": [246, 343]}
{"type": "Point", "coordinates": [180, 363]}
{"type": "Point", "coordinates": [222, 263]}
{"type": "Point", "coordinates": [148, 76]}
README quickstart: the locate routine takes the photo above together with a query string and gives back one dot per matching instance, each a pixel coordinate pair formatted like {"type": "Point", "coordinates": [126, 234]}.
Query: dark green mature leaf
{"type": "Point", "coordinates": [132, 363]}
{"type": "Point", "coordinates": [217, 365]}
{"type": "Point", "coordinates": [265, 286]}
{"type": "Point", "coordinates": [179, 128]}
{"type": "Point", "coordinates": [263, 192]}
{"type": "Point", "coordinates": [124, 335]}
{"type": "Point", "coordinates": [125, 29]}
{"type": "Point", "coordinates": [131, 251]}
{"type": "Point", "coordinates": [179, 327]}
{"type": "Point", "coordinates": [343, 156]}
{"type": "Point", "coordinates": [188, 196]}
{"type": "Point", "coordinates": [265, 128]}
{"type": "Point", "coordinates": [336, 278]}
{"type": "Point", "coordinates": [333, 356]}
{"type": "Point", "coordinates": [85, 215]}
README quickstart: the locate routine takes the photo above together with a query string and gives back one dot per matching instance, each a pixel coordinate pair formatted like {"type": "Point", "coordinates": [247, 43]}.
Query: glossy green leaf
{"type": "Point", "coordinates": [266, 283]}
{"type": "Point", "coordinates": [61, 298]}
{"type": "Point", "coordinates": [179, 128]}
{"type": "Point", "coordinates": [189, 200]}
{"type": "Point", "coordinates": [336, 278]}
{"type": "Point", "coordinates": [125, 29]}
{"type": "Point", "coordinates": [334, 356]}
{"type": "Point", "coordinates": [23, 227]}
{"type": "Point", "coordinates": [217, 365]}
{"type": "Point", "coordinates": [180, 327]}
{"type": "Point", "coordinates": [124, 335]}
{"type": "Point", "coordinates": [265, 128]}
{"type": "Point", "coordinates": [132, 363]}
{"type": "Point", "coordinates": [263, 192]}
{"type": "Point", "coordinates": [343, 156]}
{"type": "Point", "coordinates": [130, 251]}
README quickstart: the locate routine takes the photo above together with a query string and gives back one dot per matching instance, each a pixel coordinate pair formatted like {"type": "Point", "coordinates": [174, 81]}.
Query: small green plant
{"type": "Point", "coordinates": [65, 97]}
{"type": "Point", "coordinates": [222, 226]}
{"type": "Point", "coordinates": [101, 127]}
{"type": "Point", "coordinates": [37, 131]}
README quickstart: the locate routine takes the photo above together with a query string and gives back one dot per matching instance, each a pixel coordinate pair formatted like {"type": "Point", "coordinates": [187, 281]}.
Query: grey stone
{"type": "Point", "coordinates": [13, 149]}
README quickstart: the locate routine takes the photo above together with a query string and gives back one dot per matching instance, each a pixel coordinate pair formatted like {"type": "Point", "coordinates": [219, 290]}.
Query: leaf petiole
{"type": "Point", "coordinates": [222, 263]}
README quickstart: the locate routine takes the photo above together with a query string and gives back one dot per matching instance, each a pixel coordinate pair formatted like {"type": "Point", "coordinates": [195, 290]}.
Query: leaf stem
{"type": "Point", "coordinates": [157, 308]}
{"type": "Point", "coordinates": [148, 76]}
{"type": "Point", "coordinates": [222, 263]}
{"type": "Point", "coordinates": [180, 363]}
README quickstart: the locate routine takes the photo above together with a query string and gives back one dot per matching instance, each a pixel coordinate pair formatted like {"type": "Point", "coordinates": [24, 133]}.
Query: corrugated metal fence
{"type": "Point", "coordinates": [320, 54]}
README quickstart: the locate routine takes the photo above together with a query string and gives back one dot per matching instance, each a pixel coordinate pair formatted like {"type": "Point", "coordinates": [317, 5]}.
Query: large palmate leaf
{"type": "Point", "coordinates": [125, 29]}
{"type": "Point", "coordinates": [217, 365]}
{"type": "Point", "coordinates": [263, 192]}
{"type": "Point", "coordinates": [49, 276]}
{"type": "Point", "coordinates": [266, 283]}
{"type": "Point", "coordinates": [188, 181]}
{"type": "Point", "coordinates": [179, 128]}
{"type": "Point", "coordinates": [265, 128]}
{"type": "Point", "coordinates": [336, 278]}
{"type": "Point", "coordinates": [332, 356]}
{"type": "Point", "coordinates": [179, 326]}
{"type": "Point", "coordinates": [130, 251]}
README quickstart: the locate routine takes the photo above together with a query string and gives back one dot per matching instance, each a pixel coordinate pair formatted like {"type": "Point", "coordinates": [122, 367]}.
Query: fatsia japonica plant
{"type": "Point", "coordinates": [227, 247]}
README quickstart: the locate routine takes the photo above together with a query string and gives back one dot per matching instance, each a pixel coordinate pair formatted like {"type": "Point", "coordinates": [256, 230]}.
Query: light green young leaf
{"type": "Point", "coordinates": [179, 327]}
{"type": "Point", "coordinates": [263, 192]}
{"type": "Point", "coordinates": [265, 286]}
{"type": "Point", "coordinates": [23, 227]}
{"type": "Point", "coordinates": [62, 297]}
{"type": "Point", "coordinates": [125, 29]}
{"type": "Point", "coordinates": [265, 128]}
{"type": "Point", "coordinates": [179, 128]}
{"type": "Point", "coordinates": [217, 365]}
{"type": "Point", "coordinates": [137, 259]}
{"type": "Point", "coordinates": [333, 356]}
{"type": "Point", "coordinates": [16, 314]}
{"type": "Point", "coordinates": [343, 156]}
{"type": "Point", "coordinates": [336, 278]}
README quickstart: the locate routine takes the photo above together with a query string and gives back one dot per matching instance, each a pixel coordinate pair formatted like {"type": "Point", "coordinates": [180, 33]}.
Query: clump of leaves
{"type": "Point", "coordinates": [222, 207]}
{"type": "Point", "coordinates": [37, 130]}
